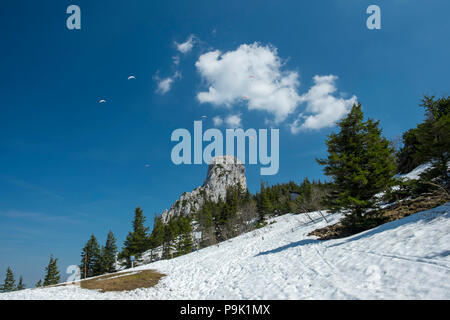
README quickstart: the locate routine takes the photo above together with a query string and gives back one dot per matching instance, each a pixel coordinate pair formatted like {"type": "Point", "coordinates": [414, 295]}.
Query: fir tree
{"type": "Point", "coordinates": [409, 156]}
{"type": "Point", "coordinates": [157, 236]}
{"type": "Point", "coordinates": [174, 233]}
{"type": "Point", "coordinates": [263, 204]}
{"type": "Point", "coordinates": [185, 241]}
{"type": "Point", "coordinates": [434, 140]}
{"type": "Point", "coordinates": [171, 231]}
{"type": "Point", "coordinates": [91, 258]}
{"type": "Point", "coordinates": [38, 284]}
{"type": "Point", "coordinates": [166, 250]}
{"type": "Point", "coordinates": [137, 240]}
{"type": "Point", "coordinates": [52, 276]}
{"type": "Point", "coordinates": [109, 253]}
{"type": "Point", "coordinates": [361, 163]}
{"type": "Point", "coordinates": [21, 286]}
{"type": "Point", "coordinates": [429, 141]}
{"type": "Point", "coordinates": [9, 284]}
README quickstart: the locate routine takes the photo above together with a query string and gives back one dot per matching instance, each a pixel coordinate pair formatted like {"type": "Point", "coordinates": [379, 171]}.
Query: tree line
{"type": "Point", "coordinates": [51, 277]}
{"type": "Point", "coordinates": [175, 237]}
{"type": "Point", "coordinates": [96, 260]}
{"type": "Point", "coordinates": [9, 284]}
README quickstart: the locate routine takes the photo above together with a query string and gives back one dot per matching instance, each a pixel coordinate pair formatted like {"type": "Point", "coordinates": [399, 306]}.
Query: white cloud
{"type": "Point", "coordinates": [176, 60]}
{"type": "Point", "coordinates": [217, 121]}
{"type": "Point", "coordinates": [253, 77]}
{"type": "Point", "coordinates": [164, 85]}
{"type": "Point", "coordinates": [251, 74]}
{"type": "Point", "coordinates": [322, 108]}
{"type": "Point", "coordinates": [233, 120]}
{"type": "Point", "coordinates": [186, 46]}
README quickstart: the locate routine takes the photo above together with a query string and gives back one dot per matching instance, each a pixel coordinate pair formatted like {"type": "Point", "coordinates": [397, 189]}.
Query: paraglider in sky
{"type": "Point", "coordinates": [244, 97]}
{"type": "Point", "coordinates": [204, 117]}
{"type": "Point", "coordinates": [131, 77]}
{"type": "Point", "coordinates": [147, 165]}
{"type": "Point", "coordinates": [102, 101]}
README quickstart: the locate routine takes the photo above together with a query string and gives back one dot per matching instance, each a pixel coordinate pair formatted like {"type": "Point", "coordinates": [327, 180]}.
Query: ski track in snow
{"type": "Point", "coordinates": [404, 259]}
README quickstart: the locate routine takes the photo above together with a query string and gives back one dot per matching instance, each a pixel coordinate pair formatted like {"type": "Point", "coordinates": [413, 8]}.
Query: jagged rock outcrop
{"type": "Point", "coordinates": [223, 172]}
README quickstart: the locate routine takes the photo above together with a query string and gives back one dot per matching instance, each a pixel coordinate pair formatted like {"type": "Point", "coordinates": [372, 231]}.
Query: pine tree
{"type": "Point", "coordinates": [409, 156]}
{"type": "Point", "coordinates": [171, 231]}
{"type": "Point", "coordinates": [174, 239]}
{"type": "Point", "coordinates": [263, 204]}
{"type": "Point", "coordinates": [52, 276]}
{"type": "Point", "coordinates": [109, 254]}
{"type": "Point", "coordinates": [91, 258]}
{"type": "Point", "coordinates": [156, 238]}
{"type": "Point", "coordinates": [137, 240]}
{"type": "Point", "coordinates": [38, 284]}
{"type": "Point", "coordinates": [21, 286]}
{"type": "Point", "coordinates": [361, 163]}
{"type": "Point", "coordinates": [9, 284]}
{"type": "Point", "coordinates": [434, 140]}
{"type": "Point", "coordinates": [304, 202]}
{"type": "Point", "coordinates": [429, 141]}
{"type": "Point", "coordinates": [185, 241]}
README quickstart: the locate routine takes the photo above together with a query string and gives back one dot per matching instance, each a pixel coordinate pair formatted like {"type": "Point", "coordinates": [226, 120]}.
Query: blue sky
{"type": "Point", "coordinates": [70, 166]}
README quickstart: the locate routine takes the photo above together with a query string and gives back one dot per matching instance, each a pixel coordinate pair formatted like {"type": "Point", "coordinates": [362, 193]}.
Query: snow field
{"type": "Point", "coordinates": [404, 259]}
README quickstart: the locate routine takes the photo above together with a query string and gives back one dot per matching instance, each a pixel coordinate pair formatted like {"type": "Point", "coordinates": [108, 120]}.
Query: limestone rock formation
{"type": "Point", "coordinates": [223, 172]}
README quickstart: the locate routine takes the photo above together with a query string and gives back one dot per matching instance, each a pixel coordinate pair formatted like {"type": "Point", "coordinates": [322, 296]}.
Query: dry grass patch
{"type": "Point", "coordinates": [124, 281]}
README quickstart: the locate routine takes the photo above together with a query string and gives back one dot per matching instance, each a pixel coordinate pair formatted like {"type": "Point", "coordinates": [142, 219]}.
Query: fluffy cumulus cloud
{"type": "Point", "coordinates": [251, 74]}
{"type": "Point", "coordinates": [186, 46]}
{"type": "Point", "coordinates": [323, 109]}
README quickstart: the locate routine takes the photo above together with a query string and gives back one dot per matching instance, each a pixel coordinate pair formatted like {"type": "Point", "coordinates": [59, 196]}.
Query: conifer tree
{"type": "Point", "coordinates": [263, 204]}
{"type": "Point", "coordinates": [429, 141]}
{"type": "Point", "coordinates": [52, 276]}
{"type": "Point", "coordinates": [171, 231]}
{"type": "Point", "coordinates": [434, 139]}
{"type": "Point", "coordinates": [175, 233]}
{"type": "Point", "coordinates": [38, 284]}
{"type": "Point", "coordinates": [136, 241]}
{"type": "Point", "coordinates": [91, 258]}
{"type": "Point", "coordinates": [361, 164]}
{"type": "Point", "coordinates": [157, 236]}
{"type": "Point", "coordinates": [185, 241]}
{"type": "Point", "coordinates": [21, 286]}
{"type": "Point", "coordinates": [9, 284]}
{"type": "Point", "coordinates": [109, 253]}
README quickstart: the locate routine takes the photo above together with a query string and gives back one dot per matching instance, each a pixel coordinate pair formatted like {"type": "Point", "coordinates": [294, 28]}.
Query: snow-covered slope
{"type": "Point", "coordinates": [404, 259]}
{"type": "Point", "coordinates": [415, 174]}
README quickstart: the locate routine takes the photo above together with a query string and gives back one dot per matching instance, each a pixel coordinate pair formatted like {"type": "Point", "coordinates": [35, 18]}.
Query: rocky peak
{"type": "Point", "coordinates": [223, 172]}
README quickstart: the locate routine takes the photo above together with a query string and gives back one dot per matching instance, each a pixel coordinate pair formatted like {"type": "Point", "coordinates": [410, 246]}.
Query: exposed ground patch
{"type": "Point", "coordinates": [123, 281]}
{"type": "Point", "coordinates": [397, 211]}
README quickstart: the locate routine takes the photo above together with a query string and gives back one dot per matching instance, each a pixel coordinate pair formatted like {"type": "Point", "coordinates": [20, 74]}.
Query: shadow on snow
{"type": "Point", "coordinates": [300, 243]}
